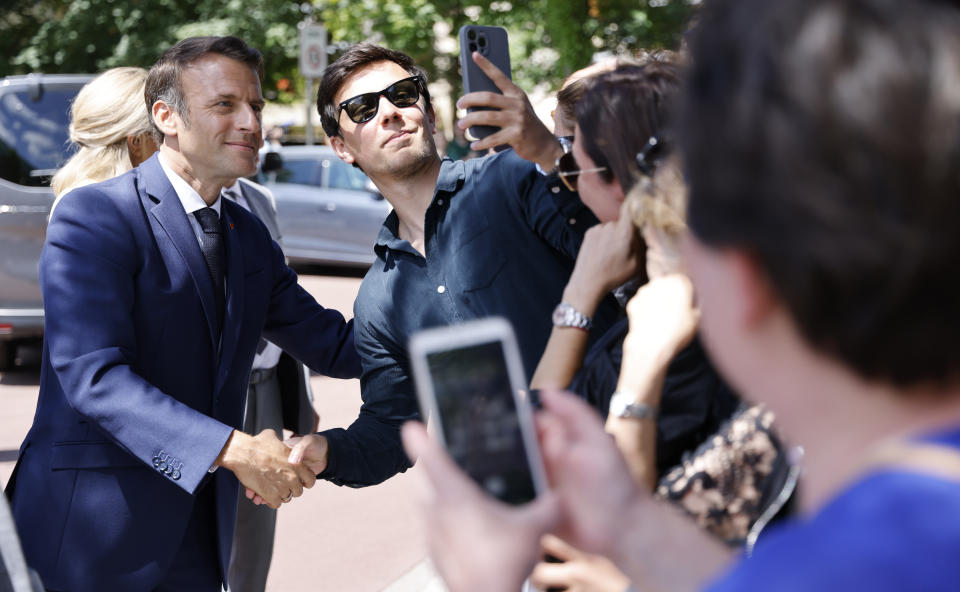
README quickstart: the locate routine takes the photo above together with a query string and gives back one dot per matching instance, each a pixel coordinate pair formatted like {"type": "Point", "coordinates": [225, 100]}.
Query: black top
{"type": "Point", "coordinates": [695, 401]}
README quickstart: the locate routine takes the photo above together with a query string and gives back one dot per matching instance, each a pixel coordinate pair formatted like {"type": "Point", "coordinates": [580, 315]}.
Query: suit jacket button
{"type": "Point", "coordinates": [175, 475]}
{"type": "Point", "coordinates": [156, 461]}
{"type": "Point", "coordinates": [162, 466]}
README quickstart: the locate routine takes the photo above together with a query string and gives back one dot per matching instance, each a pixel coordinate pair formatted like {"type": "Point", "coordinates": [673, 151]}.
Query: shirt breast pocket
{"type": "Point", "coordinates": [479, 258]}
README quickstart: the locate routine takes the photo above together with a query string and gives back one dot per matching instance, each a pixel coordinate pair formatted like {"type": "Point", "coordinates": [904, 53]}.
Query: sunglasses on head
{"type": "Point", "coordinates": [363, 108]}
{"type": "Point", "coordinates": [568, 171]}
{"type": "Point", "coordinates": [650, 155]}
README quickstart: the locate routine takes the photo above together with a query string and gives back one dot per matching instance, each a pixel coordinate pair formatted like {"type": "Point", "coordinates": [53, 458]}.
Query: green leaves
{"type": "Point", "coordinates": [549, 38]}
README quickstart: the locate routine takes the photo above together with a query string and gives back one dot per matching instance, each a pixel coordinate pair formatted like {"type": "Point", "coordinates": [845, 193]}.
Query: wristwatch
{"type": "Point", "coordinates": [622, 404]}
{"type": "Point", "coordinates": [565, 315]}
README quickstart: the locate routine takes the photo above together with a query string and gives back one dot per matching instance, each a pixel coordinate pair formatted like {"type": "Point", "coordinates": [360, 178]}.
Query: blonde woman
{"type": "Point", "coordinates": [110, 124]}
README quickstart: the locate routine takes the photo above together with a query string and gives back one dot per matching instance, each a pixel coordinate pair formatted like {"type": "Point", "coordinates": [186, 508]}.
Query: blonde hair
{"type": "Point", "coordinates": [657, 208]}
{"type": "Point", "coordinates": [661, 201]}
{"type": "Point", "coordinates": [105, 112]}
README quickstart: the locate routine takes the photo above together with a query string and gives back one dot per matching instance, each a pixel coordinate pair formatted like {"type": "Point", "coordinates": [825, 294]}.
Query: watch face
{"type": "Point", "coordinates": [565, 315]}
{"type": "Point", "coordinates": [557, 316]}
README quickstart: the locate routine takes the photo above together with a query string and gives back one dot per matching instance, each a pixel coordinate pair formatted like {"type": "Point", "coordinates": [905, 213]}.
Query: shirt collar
{"type": "Point", "coordinates": [452, 173]}
{"type": "Point", "coordinates": [235, 188]}
{"type": "Point", "coordinates": [451, 176]}
{"type": "Point", "coordinates": [189, 198]}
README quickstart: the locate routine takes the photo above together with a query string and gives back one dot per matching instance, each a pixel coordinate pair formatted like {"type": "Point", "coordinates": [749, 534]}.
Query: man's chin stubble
{"type": "Point", "coordinates": [413, 164]}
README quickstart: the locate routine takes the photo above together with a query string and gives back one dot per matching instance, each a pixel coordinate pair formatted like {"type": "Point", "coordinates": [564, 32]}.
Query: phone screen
{"type": "Point", "coordinates": [478, 417]}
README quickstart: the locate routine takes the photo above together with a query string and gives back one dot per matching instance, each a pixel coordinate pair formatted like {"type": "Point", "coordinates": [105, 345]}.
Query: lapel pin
{"type": "Point", "coordinates": [231, 226]}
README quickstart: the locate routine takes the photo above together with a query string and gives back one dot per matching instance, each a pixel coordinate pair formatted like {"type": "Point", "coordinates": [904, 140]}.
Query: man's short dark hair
{"type": "Point", "coordinates": [164, 82]}
{"type": "Point", "coordinates": [621, 110]}
{"type": "Point", "coordinates": [352, 60]}
{"type": "Point", "coordinates": [823, 138]}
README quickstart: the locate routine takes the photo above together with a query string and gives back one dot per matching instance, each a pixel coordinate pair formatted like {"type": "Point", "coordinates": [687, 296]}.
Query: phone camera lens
{"type": "Point", "coordinates": [473, 47]}
{"type": "Point", "coordinates": [483, 41]}
{"type": "Point", "coordinates": [471, 34]}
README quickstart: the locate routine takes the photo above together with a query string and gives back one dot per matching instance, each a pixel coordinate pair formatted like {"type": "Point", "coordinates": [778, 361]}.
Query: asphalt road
{"type": "Point", "coordinates": [332, 538]}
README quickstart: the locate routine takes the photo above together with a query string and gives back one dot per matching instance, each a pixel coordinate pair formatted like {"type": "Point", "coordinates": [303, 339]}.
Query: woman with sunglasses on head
{"type": "Point", "coordinates": [622, 165]}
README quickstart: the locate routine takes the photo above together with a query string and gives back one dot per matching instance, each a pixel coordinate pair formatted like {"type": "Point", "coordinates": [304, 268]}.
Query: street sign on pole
{"type": "Point", "coordinates": [313, 60]}
{"type": "Point", "coordinates": [313, 50]}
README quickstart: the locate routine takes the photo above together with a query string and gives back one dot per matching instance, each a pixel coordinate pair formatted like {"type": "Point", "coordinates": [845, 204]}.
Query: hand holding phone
{"type": "Point", "coordinates": [499, 114]}
{"type": "Point", "coordinates": [470, 384]}
{"type": "Point", "coordinates": [491, 43]}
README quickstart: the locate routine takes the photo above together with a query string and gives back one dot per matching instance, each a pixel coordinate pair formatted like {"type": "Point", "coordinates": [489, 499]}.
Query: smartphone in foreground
{"type": "Point", "coordinates": [471, 387]}
{"type": "Point", "coordinates": [491, 43]}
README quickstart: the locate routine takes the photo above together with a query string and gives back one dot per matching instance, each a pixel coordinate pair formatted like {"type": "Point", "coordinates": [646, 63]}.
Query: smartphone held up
{"type": "Point", "coordinates": [470, 384]}
{"type": "Point", "coordinates": [491, 43]}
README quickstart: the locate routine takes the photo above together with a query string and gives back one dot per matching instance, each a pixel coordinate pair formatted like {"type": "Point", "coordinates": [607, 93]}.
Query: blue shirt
{"type": "Point", "coordinates": [501, 239]}
{"type": "Point", "coordinates": [892, 530]}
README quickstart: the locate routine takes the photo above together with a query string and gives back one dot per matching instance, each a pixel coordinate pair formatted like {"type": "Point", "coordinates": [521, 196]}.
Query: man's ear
{"type": "Point", "coordinates": [165, 118]}
{"type": "Point", "coordinates": [757, 297]}
{"type": "Point", "coordinates": [340, 147]}
{"type": "Point", "coordinates": [432, 120]}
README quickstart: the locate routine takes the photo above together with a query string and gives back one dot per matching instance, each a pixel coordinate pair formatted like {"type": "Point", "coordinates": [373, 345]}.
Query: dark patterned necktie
{"type": "Point", "coordinates": [211, 243]}
{"type": "Point", "coordinates": [235, 195]}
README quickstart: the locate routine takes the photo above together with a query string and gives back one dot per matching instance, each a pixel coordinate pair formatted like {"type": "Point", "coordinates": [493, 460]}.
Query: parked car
{"type": "Point", "coordinates": [329, 211]}
{"type": "Point", "coordinates": [34, 122]}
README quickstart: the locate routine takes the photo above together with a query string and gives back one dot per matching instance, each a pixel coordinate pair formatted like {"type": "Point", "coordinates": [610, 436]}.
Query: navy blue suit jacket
{"type": "Point", "coordinates": [137, 398]}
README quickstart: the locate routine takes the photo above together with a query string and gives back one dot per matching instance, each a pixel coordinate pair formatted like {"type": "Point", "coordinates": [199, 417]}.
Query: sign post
{"type": "Point", "coordinates": [313, 60]}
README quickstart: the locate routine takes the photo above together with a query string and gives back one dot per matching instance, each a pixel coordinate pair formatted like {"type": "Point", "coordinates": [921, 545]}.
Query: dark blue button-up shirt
{"type": "Point", "coordinates": [500, 239]}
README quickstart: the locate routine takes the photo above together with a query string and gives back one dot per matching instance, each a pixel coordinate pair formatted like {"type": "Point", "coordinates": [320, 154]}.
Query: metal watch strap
{"type": "Point", "coordinates": [623, 404]}
{"type": "Point", "coordinates": [565, 315]}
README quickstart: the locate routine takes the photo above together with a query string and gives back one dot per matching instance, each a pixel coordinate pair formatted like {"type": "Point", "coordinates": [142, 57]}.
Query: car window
{"type": "Point", "coordinates": [34, 138]}
{"type": "Point", "coordinates": [341, 175]}
{"type": "Point", "coordinates": [301, 172]}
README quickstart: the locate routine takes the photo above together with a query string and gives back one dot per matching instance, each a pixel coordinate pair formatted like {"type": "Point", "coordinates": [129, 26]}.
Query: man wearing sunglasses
{"type": "Point", "coordinates": [466, 239]}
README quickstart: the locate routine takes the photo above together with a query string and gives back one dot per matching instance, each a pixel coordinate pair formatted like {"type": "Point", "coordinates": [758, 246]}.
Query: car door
{"type": "Point", "coordinates": [295, 189]}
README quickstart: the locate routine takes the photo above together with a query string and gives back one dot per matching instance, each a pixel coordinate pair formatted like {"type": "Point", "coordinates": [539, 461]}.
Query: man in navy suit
{"type": "Point", "coordinates": [156, 294]}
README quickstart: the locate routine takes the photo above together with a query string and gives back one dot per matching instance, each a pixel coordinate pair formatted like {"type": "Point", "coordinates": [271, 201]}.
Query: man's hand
{"type": "Point", "coordinates": [261, 464]}
{"type": "Point", "coordinates": [519, 125]}
{"type": "Point", "coordinates": [310, 451]}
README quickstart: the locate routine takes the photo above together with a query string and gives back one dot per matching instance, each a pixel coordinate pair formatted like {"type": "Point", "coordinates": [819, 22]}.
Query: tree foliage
{"type": "Point", "coordinates": [549, 38]}
{"type": "Point", "coordinates": [83, 36]}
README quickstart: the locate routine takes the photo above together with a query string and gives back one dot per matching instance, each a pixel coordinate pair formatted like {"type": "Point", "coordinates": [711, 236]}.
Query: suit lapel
{"type": "Point", "coordinates": [233, 317]}
{"type": "Point", "coordinates": [166, 208]}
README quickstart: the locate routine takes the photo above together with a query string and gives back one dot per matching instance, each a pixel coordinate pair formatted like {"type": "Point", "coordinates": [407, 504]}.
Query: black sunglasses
{"type": "Point", "coordinates": [363, 108]}
{"type": "Point", "coordinates": [568, 172]}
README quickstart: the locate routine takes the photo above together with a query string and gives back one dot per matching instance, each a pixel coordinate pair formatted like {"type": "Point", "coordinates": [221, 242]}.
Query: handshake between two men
{"type": "Point", "coordinates": [274, 471]}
